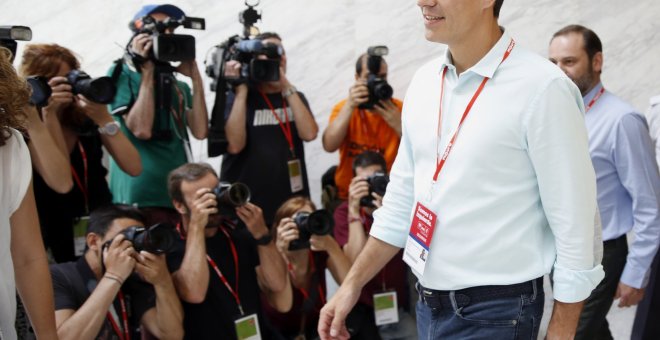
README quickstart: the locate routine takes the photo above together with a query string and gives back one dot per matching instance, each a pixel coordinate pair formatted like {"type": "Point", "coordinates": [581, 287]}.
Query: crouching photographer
{"type": "Point", "coordinates": [99, 296]}
{"type": "Point", "coordinates": [211, 256]}
{"type": "Point", "coordinates": [382, 310]}
{"type": "Point", "coordinates": [304, 239]}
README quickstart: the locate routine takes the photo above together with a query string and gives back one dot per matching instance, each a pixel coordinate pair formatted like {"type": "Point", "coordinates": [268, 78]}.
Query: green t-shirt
{"type": "Point", "coordinates": [160, 154]}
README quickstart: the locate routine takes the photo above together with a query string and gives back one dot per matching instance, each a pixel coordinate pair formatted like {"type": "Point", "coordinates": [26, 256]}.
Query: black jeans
{"type": "Point", "coordinates": [593, 325]}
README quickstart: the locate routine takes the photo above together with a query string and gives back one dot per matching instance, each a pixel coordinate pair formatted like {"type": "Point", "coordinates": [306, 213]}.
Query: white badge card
{"type": "Point", "coordinates": [385, 308]}
{"type": "Point", "coordinates": [79, 231]}
{"type": "Point", "coordinates": [295, 175]}
{"type": "Point", "coordinates": [247, 328]}
{"type": "Point", "coordinates": [419, 239]}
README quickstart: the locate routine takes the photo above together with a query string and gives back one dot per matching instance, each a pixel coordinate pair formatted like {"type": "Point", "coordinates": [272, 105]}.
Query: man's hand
{"type": "Point", "coordinates": [95, 111]}
{"type": "Point", "coordinates": [332, 321]}
{"type": "Point", "coordinates": [628, 296]}
{"type": "Point", "coordinates": [287, 231]}
{"type": "Point", "coordinates": [61, 96]}
{"type": "Point", "coordinates": [253, 218]}
{"type": "Point", "coordinates": [390, 113]}
{"type": "Point", "coordinates": [358, 189]}
{"type": "Point", "coordinates": [204, 205]}
{"type": "Point", "coordinates": [141, 44]}
{"type": "Point", "coordinates": [152, 268]}
{"type": "Point", "coordinates": [358, 94]}
{"type": "Point", "coordinates": [378, 200]}
{"type": "Point", "coordinates": [564, 320]}
{"type": "Point", "coordinates": [118, 257]}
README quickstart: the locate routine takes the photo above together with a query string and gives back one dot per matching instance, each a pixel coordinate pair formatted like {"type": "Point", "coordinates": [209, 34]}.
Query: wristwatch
{"type": "Point", "coordinates": [264, 240]}
{"type": "Point", "coordinates": [109, 129]}
{"type": "Point", "coordinates": [291, 90]}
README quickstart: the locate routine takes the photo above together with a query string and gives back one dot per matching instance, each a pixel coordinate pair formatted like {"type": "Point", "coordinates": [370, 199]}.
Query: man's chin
{"type": "Point", "coordinates": [215, 221]}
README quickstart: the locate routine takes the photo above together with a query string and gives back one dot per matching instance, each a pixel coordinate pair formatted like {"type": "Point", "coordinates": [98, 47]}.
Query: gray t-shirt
{"type": "Point", "coordinates": [15, 175]}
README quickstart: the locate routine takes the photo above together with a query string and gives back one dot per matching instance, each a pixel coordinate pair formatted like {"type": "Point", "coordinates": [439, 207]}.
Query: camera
{"type": "Point", "coordinates": [101, 90]}
{"type": "Point", "coordinates": [9, 35]}
{"type": "Point", "coordinates": [377, 184]}
{"type": "Point", "coordinates": [378, 87]}
{"type": "Point", "coordinates": [170, 47]}
{"type": "Point", "coordinates": [319, 222]}
{"type": "Point", "coordinates": [231, 196]}
{"type": "Point", "coordinates": [41, 91]}
{"type": "Point", "coordinates": [157, 239]}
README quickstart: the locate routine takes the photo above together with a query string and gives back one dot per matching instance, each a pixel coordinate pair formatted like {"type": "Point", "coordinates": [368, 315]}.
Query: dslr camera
{"type": "Point", "coordinates": [377, 184]}
{"type": "Point", "coordinates": [157, 239]}
{"type": "Point", "coordinates": [231, 196]}
{"type": "Point", "coordinates": [170, 47]}
{"type": "Point", "coordinates": [378, 87]}
{"type": "Point", "coordinates": [101, 90]}
{"type": "Point", "coordinates": [319, 222]}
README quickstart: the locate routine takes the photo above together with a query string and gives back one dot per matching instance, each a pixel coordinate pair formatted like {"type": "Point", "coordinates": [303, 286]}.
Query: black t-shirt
{"type": "Point", "coordinates": [73, 283]}
{"type": "Point", "coordinates": [262, 164]}
{"type": "Point", "coordinates": [57, 212]}
{"type": "Point", "coordinates": [214, 317]}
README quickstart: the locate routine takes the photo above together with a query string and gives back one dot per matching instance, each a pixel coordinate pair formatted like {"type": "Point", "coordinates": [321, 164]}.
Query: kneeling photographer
{"type": "Point", "coordinates": [154, 109]}
{"type": "Point", "coordinates": [99, 296]}
{"type": "Point", "coordinates": [304, 239]}
{"type": "Point", "coordinates": [219, 269]}
{"type": "Point", "coordinates": [388, 291]}
{"type": "Point", "coordinates": [76, 116]}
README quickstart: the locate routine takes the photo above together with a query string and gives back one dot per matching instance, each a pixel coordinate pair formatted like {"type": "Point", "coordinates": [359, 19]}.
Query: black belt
{"type": "Point", "coordinates": [617, 241]}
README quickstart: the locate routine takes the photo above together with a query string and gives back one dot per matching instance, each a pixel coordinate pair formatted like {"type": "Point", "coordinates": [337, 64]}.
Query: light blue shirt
{"type": "Point", "coordinates": [628, 180]}
{"type": "Point", "coordinates": [517, 195]}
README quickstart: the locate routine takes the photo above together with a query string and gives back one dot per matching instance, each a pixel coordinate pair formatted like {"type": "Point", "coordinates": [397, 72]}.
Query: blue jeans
{"type": "Point", "coordinates": [487, 312]}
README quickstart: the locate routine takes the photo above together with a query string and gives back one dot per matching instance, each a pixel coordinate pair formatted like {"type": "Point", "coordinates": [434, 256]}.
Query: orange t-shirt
{"type": "Point", "coordinates": [367, 131]}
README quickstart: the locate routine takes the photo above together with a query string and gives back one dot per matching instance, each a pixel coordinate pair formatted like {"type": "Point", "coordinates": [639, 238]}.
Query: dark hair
{"type": "Point", "coordinates": [369, 158]}
{"type": "Point", "coordinates": [592, 44]}
{"type": "Point", "coordinates": [497, 7]}
{"type": "Point", "coordinates": [101, 218]}
{"type": "Point", "coordinates": [358, 64]}
{"type": "Point", "coordinates": [188, 172]}
{"type": "Point", "coordinates": [268, 35]}
{"type": "Point", "coordinates": [289, 207]}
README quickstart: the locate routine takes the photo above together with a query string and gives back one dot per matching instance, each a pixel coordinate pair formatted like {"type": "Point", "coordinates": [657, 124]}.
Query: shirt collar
{"type": "Point", "coordinates": [487, 66]}
{"type": "Point", "coordinates": [591, 94]}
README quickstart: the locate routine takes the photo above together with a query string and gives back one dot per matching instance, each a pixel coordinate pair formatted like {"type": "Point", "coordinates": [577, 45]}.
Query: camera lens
{"type": "Point", "coordinates": [320, 222]}
{"type": "Point", "coordinates": [158, 239]}
{"type": "Point", "coordinates": [239, 194]}
{"type": "Point", "coordinates": [383, 90]}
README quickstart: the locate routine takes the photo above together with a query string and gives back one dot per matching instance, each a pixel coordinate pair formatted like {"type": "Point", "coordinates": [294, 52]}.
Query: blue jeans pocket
{"type": "Point", "coordinates": [498, 312]}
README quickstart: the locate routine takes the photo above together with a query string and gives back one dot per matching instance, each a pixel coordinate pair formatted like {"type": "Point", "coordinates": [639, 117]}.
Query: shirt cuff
{"type": "Point", "coordinates": [572, 286]}
{"type": "Point", "coordinates": [388, 236]}
{"type": "Point", "coordinates": [634, 277]}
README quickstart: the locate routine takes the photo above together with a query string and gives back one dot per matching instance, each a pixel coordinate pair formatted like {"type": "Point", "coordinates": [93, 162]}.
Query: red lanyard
{"type": "Point", "coordinates": [83, 188]}
{"type": "Point", "coordinates": [126, 334]}
{"type": "Point", "coordinates": [233, 291]}
{"type": "Point", "coordinates": [304, 291]}
{"type": "Point", "coordinates": [594, 100]}
{"type": "Point", "coordinates": [440, 161]}
{"type": "Point", "coordinates": [286, 129]}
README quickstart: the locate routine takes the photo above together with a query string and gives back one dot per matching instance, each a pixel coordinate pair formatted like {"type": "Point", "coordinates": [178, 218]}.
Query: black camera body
{"type": "Point", "coordinates": [10, 34]}
{"type": "Point", "coordinates": [377, 184]}
{"type": "Point", "coordinates": [157, 239]}
{"type": "Point", "coordinates": [319, 222]}
{"type": "Point", "coordinates": [231, 196]}
{"type": "Point", "coordinates": [171, 47]}
{"type": "Point", "coordinates": [101, 90]}
{"type": "Point", "coordinates": [41, 91]}
{"type": "Point", "coordinates": [378, 87]}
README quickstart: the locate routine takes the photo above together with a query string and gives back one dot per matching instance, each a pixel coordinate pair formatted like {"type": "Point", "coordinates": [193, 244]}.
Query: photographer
{"type": "Point", "coordinates": [211, 257]}
{"type": "Point", "coordinates": [359, 123]}
{"type": "Point", "coordinates": [266, 125]}
{"type": "Point", "coordinates": [353, 221]}
{"type": "Point", "coordinates": [85, 126]}
{"type": "Point", "coordinates": [23, 262]}
{"type": "Point", "coordinates": [98, 297]}
{"type": "Point", "coordinates": [306, 264]}
{"type": "Point", "coordinates": [160, 136]}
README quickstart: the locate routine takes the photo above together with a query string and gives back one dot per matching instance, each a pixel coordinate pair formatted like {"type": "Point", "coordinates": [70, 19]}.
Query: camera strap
{"type": "Point", "coordinates": [286, 129]}
{"type": "Point", "coordinates": [84, 184]}
{"type": "Point", "coordinates": [126, 334]}
{"type": "Point", "coordinates": [314, 281]}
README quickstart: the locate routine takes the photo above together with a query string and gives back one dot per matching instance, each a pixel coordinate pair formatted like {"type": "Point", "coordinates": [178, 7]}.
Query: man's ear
{"type": "Point", "coordinates": [488, 4]}
{"type": "Point", "coordinates": [180, 207]}
{"type": "Point", "coordinates": [597, 62]}
{"type": "Point", "coordinates": [93, 241]}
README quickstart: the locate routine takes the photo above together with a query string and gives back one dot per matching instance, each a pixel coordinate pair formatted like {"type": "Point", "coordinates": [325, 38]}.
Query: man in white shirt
{"type": "Point", "coordinates": [506, 194]}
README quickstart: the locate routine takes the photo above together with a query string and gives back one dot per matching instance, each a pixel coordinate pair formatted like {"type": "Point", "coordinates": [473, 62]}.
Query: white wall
{"type": "Point", "coordinates": [324, 37]}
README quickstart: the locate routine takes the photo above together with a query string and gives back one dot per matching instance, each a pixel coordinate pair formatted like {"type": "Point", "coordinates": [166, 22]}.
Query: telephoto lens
{"type": "Point", "coordinates": [100, 90]}
{"type": "Point", "coordinates": [157, 239]}
{"type": "Point", "coordinates": [319, 222]}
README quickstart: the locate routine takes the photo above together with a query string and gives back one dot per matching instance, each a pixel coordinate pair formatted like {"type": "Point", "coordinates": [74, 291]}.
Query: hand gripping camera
{"type": "Point", "coordinates": [319, 222]}
{"type": "Point", "coordinates": [231, 196]}
{"type": "Point", "coordinates": [157, 239]}
{"type": "Point", "coordinates": [378, 87]}
{"type": "Point", "coordinates": [377, 184]}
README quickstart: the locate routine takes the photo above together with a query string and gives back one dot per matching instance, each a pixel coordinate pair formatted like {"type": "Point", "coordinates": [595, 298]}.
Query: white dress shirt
{"type": "Point", "coordinates": [517, 195]}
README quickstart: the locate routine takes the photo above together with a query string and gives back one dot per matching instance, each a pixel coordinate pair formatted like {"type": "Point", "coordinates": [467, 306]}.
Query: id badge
{"type": "Point", "coordinates": [385, 308]}
{"type": "Point", "coordinates": [295, 175]}
{"type": "Point", "coordinates": [79, 231]}
{"type": "Point", "coordinates": [416, 251]}
{"type": "Point", "coordinates": [247, 328]}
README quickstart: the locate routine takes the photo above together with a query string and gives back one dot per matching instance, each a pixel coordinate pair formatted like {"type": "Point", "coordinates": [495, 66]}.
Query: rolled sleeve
{"type": "Point", "coordinates": [558, 148]}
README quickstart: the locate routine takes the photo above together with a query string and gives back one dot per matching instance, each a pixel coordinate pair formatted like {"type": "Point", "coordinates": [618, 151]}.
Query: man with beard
{"type": "Point", "coordinates": [628, 183]}
{"type": "Point", "coordinates": [211, 257]}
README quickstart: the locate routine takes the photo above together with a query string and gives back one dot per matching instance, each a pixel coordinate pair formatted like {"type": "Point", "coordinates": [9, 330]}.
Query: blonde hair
{"type": "Point", "coordinates": [14, 96]}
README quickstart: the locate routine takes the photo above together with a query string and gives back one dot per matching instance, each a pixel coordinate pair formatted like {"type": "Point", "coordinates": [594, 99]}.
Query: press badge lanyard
{"type": "Point", "coordinates": [234, 253]}
{"type": "Point", "coordinates": [126, 334]}
{"type": "Point", "coordinates": [84, 188]}
{"type": "Point", "coordinates": [594, 100]}
{"type": "Point", "coordinates": [304, 291]}
{"type": "Point", "coordinates": [286, 129]}
{"type": "Point", "coordinates": [440, 161]}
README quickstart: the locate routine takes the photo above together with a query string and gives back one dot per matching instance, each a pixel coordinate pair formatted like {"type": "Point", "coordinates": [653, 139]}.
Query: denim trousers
{"type": "Point", "coordinates": [486, 312]}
